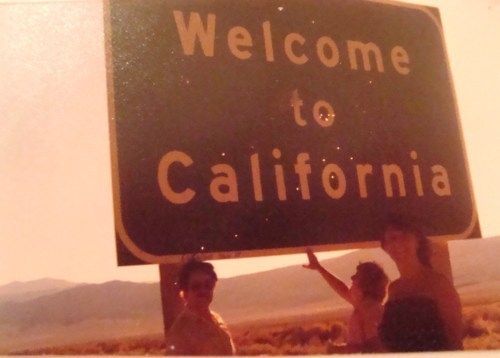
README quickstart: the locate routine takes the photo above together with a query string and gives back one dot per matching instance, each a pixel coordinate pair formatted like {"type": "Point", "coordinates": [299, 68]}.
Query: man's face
{"type": "Point", "coordinates": [200, 289]}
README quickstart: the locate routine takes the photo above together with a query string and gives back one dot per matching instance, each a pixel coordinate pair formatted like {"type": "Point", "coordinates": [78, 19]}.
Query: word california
{"type": "Point", "coordinates": [224, 185]}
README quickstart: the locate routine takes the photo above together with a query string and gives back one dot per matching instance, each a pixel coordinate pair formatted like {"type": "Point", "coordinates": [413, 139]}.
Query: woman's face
{"type": "Point", "coordinates": [200, 289]}
{"type": "Point", "coordinates": [400, 246]}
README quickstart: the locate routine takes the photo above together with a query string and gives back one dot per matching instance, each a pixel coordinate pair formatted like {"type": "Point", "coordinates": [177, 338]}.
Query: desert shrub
{"type": "Point", "coordinates": [264, 340]}
{"type": "Point", "coordinates": [156, 345]}
{"type": "Point", "coordinates": [257, 349]}
{"type": "Point", "coordinates": [109, 347]}
{"type": "Point", "coordinates": [475, 328]}
{"type": "Point", "coordinates": [282, 334]}
{"type": "Point", "coordinates": [317, 335]}
{"type": "Point", "coordinates": [495, 328]}
{"type": "Point", "coordinates": [492, 313]}
{"type": "Point", "coordinates": [298, 339]}
{"type": "Point", "coordinates": [299, 336]}
{"type": "Point", "coordinates": [296, 336]}
{"type": "Point", "coordinates": [293, 350]}
{"type": "Point", "coordinates": [336, 330]}
{"type": "Point", "coordinates": [241, 341]}
{"type": "Point", "coordinates": [89, 349]}
{"type": "Point", "coordinates": [331, 348]}
{"type": "Point", "coordinates": [482, 343]}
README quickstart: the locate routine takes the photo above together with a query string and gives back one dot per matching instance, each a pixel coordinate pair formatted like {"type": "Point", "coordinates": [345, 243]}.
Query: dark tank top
{"type": "Point", "coordinates": [412, 324]}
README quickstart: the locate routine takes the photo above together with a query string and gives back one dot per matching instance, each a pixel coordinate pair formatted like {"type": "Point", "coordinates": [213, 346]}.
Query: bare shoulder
{"type": "Point", "coordinates": [442, 287]}
{"type": "Point", "coordinates": [217, 317]}
{"type": "Point", "coordinates": [395, 284]}
{"type": "Point", "coordinates": [397, 288]}
{"type": "Point", "coordinates": [440, 281]}
{"type": "Point", "coordinates": [218, 320]}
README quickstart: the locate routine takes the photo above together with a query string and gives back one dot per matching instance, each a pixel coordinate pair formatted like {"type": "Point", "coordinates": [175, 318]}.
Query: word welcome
{"type": "Point", "coordinates": [240, 44]}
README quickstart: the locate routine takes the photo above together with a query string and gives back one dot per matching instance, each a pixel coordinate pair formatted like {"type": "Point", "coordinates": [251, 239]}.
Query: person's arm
{"type": "Point", "coordinates": [335, 283]}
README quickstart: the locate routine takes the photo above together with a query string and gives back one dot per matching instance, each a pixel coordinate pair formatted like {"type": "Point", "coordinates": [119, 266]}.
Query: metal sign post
{"type": "Point", "coordinates": [171, 302]}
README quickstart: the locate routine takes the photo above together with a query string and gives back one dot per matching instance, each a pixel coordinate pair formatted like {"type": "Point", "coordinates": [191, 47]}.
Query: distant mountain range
{"type": "Point", "coordinates": [81, 313]}
{"type": "Point", "coordinates": [110, 300]}
{"type": "Point", "coordinates": [23, 291]}
{"type": "Point", "coordinates": [52, 312]}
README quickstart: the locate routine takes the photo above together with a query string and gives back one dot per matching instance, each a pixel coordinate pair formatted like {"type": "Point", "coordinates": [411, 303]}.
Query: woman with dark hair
{"type": "Point", "coordinates": [366, 294]}
{"type": "Point", "coordinates": [198, 330]}
{"type": "Point", "coordinates": [423, 311]}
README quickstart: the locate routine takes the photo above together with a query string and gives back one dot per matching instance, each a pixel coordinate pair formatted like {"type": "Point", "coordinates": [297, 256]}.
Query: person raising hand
{"type": "Point", "coordinates": [366, 294]}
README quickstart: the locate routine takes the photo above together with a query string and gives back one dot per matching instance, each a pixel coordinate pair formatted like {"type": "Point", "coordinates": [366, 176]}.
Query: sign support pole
{"type": "Point", "coordinates": [170, 300]}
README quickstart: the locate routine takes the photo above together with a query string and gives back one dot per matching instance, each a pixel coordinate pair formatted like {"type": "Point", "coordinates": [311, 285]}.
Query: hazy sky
{"type": "Point", "coordinates": [56, 214]}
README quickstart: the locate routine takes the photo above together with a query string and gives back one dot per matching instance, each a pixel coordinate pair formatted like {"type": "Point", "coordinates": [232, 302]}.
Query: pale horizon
{"type": "Point", "coordinates": [56, 204]}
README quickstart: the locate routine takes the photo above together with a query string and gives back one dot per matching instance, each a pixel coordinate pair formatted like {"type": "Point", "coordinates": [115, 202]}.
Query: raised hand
{"type": "Point", "coordinates": [313, 261]}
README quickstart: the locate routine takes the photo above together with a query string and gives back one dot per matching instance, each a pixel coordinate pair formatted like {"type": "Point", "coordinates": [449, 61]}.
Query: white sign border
{"type": "Point", "coordinates": [164, 259]}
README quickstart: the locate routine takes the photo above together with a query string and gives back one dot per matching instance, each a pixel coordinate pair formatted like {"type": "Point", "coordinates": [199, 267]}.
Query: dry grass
{"type": "Point", "coordinates": [290, 339]}
{"type": "Point", "coordinates": [481, 323]}
{"type": "Point", "coordinates": [145, 345]}
{"type": "Point", "coordinates": [482, 327]}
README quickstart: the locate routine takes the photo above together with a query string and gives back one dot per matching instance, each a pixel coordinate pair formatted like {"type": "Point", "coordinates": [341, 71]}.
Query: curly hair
{"type": "Point", "coordinates": [194, 266]}
{"type": "Point", "coordinates": [372, 280]}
